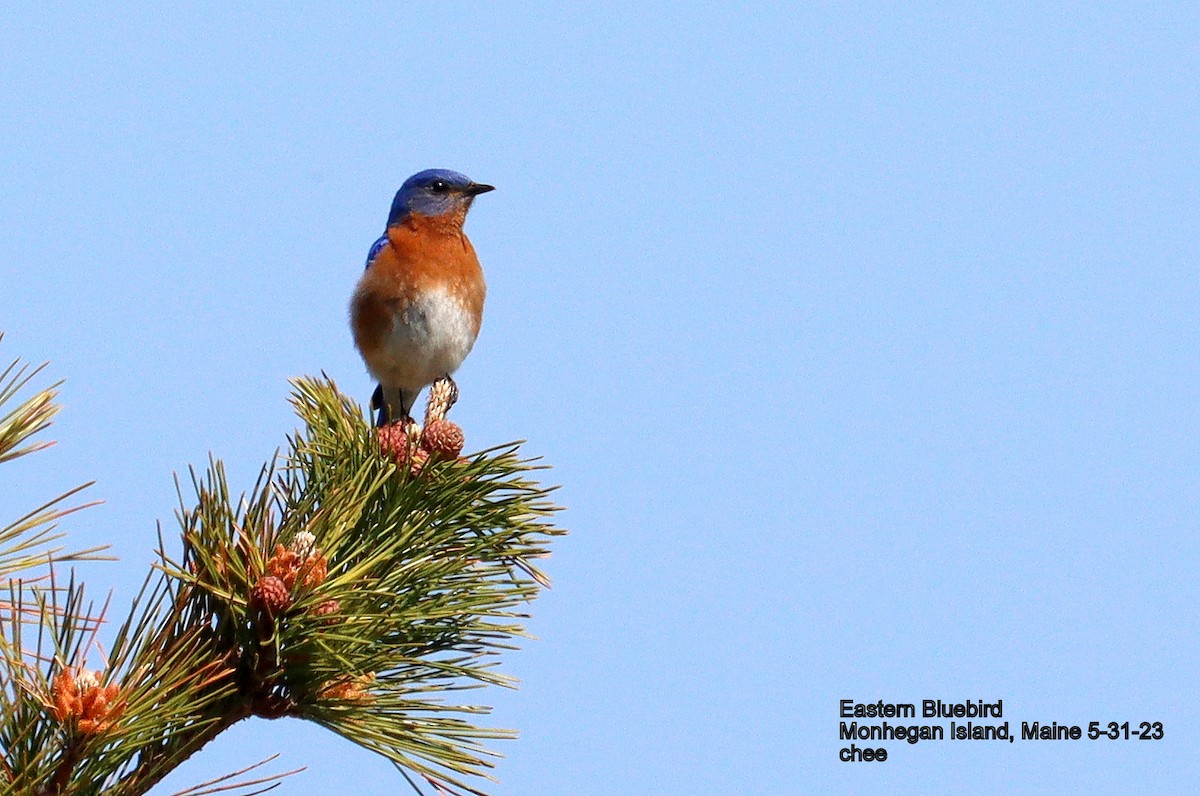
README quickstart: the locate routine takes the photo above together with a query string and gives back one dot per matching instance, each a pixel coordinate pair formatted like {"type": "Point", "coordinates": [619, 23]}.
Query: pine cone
{"type": "Point", "coordinates": [394, 443]}
{"type": "Point", "coordinates": [420, 458]}
{"type": "Point", "coordinates": [443, 439]}
{"type": "Point", "coordinates": [79, 696]}
{"type": "Point", "coordinates": [291, 567]}
{"type": "Point", "coordinates": [328, 611]}
{"type": "Point", "coordinates": [349, 689]}
{"type": "Point", "coordinates": [270, 594]}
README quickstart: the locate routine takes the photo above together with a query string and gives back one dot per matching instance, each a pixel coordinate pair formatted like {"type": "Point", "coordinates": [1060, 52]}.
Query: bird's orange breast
{"type": "Point", "coordinates": [423, 253]}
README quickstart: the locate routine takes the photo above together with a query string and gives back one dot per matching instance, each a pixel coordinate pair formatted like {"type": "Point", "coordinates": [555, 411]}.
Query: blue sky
{"type": "Point", "coordinates": [862, 338]}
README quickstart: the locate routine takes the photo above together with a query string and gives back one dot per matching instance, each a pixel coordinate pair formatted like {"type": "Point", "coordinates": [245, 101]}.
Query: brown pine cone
{"type": "Point", "coordinates": [443, 439]}
{"type": "Point", "coordinates": [270, 594]}
{"type": "Point", "coordinates": [394, 443]}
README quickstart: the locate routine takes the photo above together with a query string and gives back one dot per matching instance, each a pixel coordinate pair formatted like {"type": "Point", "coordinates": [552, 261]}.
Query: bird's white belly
{"type": "Point", "coordinates": [429, 339]}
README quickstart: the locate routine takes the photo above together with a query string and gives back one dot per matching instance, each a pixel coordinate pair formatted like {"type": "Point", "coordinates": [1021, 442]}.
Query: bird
{"type": "Point", "coordinates": [418, 305]}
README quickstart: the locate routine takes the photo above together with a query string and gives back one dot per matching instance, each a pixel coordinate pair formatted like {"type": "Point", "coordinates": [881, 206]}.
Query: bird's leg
{"type": "Point", "coordinates": [405, 420]}
{"type": "Point", "coordinates": [442, 395]}
{"type": "Point", "coordinates": [404, 416]}
{"type": "Point", "coordinates": [386, 410]}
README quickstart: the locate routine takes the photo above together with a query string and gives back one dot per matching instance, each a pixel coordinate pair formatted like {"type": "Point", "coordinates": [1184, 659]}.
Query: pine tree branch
{"type": "Point", "coordinates": [356, 585]}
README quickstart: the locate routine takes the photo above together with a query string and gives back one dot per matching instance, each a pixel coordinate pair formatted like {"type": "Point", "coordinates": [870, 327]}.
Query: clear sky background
{"type": "Point", "coordinates": [862, 338]}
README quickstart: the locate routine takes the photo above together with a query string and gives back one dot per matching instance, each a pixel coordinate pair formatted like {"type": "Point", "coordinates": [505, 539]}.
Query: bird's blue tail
{"type": "Point", "coordinates": [382, 416]}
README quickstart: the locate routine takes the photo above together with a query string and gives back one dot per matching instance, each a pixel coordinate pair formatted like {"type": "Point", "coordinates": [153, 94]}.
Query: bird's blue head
{"type": "Point", "coordinates": [435, 192]}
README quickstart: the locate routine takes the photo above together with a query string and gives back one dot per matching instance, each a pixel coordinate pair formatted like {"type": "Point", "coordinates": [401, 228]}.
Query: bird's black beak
{"type": "Point", "coordinates": [476, 188]}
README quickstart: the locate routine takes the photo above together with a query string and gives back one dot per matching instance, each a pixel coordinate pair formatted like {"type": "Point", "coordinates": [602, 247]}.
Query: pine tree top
{"type": "Point", "coordinates": [363, 580]}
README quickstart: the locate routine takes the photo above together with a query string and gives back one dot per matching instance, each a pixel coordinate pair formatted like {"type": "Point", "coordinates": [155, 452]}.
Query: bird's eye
{"type": "Point", "coordinates": [439, 186]}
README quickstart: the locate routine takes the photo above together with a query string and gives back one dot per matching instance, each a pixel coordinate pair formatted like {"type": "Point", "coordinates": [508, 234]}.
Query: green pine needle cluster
{"type": "Point", "coordinates": [26, 542]}
{"type": "Point", "coordinates": [344, 589]}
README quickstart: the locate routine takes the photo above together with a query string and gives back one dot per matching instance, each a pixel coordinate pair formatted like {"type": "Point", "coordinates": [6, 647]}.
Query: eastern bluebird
{"type": "Point", "coordinates": [418, 306]}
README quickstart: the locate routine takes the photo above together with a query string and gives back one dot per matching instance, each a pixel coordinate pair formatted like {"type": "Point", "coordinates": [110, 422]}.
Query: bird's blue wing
{"type": "Point", "coordinates": [376, 247]}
